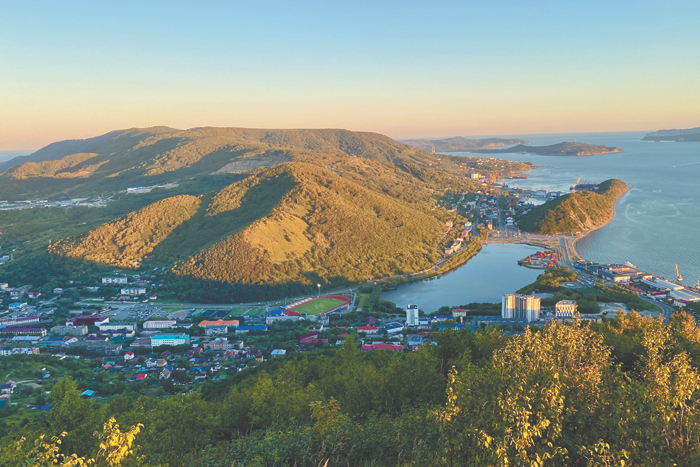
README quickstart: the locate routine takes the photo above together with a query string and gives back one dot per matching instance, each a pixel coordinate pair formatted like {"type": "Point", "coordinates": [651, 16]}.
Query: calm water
{"type": "Point", "coordinates": [7, 155]}
{"type": "Point", "coordinates": [485, 278]}
{"type": "Point", "coordinates": [657, 222]}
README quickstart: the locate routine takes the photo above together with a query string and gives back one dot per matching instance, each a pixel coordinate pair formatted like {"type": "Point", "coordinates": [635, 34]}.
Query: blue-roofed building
{"type": "Point", "coordinates": [46, 408]}
{"type": "Point", "coordinates": [439, 318]}
{"type": "Point", "coordinates": [393, 328]}
{"type": "Point", "coordinates": [275, 312]}
{"type": "Point", "coordinates": [87, 394]}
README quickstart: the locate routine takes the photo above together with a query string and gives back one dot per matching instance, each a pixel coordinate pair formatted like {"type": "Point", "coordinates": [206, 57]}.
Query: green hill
{"type": "Point", "coordinates": [575, 212]}
{"type": "Point", "coordinates": [680, 136]}
{"type": "Point", "coordinates": [559, 149]}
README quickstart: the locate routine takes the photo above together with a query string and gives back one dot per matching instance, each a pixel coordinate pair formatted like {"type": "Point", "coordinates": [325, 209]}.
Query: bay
{"type": "Point", "coordinates": [657, 221]}
{"type": "Point", "coordinates": [485, 278]}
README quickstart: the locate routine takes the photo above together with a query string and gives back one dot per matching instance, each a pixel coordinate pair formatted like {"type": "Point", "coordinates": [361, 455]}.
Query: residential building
{"type": "Point", "coordinates": [217, 327]}
{"type": "Point", "coordinates": [278, 352]}
{"type": "Point", "coordinates": [369, 330]}
{"type": "Point", "coordinates": [117, 326]}
{"type": "Point", "coordinates": [459, 314]}
{"type": "Point", "coordinates": [159, 324]}
{"type": "Point", "coordinates": [565, 309]}
{"type": "Point", "coordinates": [411, 315]}
{"type": "Point", "coordinates": [222, 343]}
{"type": "Point", "coordinates": [69, 330]}
{"type": "Point", "coordinates": [169, 339]}
{"type": "Point", "coordinates": [394, 347]}
{"type": "Point", "coordinates": [133, 291]}
{"type": "Point", "coordinates": [520, 306]}
{"type": "Point", "coordinates": [245, 329]}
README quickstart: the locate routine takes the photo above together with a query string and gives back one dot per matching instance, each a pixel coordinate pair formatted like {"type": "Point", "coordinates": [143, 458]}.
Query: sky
{"type": "Point", "coordinates": [405, 69]}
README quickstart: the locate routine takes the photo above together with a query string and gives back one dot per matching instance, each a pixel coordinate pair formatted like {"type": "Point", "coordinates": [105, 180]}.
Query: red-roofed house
{"type": "Point", "coordinates": [368, 329]}
{"type": "Point", "coordinates": [141, 376]}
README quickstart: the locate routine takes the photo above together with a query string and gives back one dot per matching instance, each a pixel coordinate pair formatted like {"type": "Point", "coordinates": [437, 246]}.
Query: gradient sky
{"type": "Point", "coordinates": [406, 69]}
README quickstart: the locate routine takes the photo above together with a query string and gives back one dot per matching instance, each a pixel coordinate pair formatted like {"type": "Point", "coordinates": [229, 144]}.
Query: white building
{"type": "Point", "coordinates": [566, 309]}
{"type": "Point", "coordinates": [117, 327]}
{"type": "Point", "coordinates": [169, 339]}
{"type": "Point", "coordinates": [115, 280]}
{"type": "Point", "coordinates": [520, 306]}
{"type": "Point", "coordinates": [159, 324]}
{"type": "Point", "coordinates": [133, 291]}
{"type": "Point", "coordinates": [412, 315]}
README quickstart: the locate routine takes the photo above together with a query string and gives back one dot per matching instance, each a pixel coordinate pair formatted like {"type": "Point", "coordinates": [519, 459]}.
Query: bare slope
{"type": "Point", "coordinates": [575, 212]}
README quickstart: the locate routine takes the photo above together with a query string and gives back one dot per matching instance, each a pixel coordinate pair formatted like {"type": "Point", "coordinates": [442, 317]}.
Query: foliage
{"type": "Point", "coordinates": [575, 212]}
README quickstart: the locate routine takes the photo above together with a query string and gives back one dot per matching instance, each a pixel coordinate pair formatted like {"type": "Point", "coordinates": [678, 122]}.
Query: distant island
{"type": "Point", "coordinates": [584, 210]}
{"type": "Point", "coordinates": [462, 144]}
{"type": "Point", "coordinates": [560, 149]}
{"type": "Point", "coordinates": [691, 135]}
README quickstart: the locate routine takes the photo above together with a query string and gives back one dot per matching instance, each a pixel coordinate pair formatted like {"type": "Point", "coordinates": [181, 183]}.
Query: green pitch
{"type": "Point", "coordinates": [318, 306]}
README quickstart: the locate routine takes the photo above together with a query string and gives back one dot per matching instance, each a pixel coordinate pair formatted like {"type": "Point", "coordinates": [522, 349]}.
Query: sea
{"type": "Point", "coordinates": [656, 224]}
{"type": "Point", "coordinates": [7, 155]}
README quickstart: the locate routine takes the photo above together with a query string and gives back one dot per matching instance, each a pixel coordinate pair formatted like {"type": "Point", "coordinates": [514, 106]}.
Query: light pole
{"type": "Point", "coordinates": [319, 290]}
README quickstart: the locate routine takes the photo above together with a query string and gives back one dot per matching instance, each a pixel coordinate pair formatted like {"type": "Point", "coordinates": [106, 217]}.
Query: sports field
{"type": "Point", "coordinates": [320, 305]}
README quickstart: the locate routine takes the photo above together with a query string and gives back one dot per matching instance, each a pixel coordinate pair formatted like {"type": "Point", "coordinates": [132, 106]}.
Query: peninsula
{"type": "Point", "coordinates": [462, 144]}
{"type": "Point", "coordinates": [690, 135]}
{"type": "Point", "coordinates": [584, 210]}
{"type": "Point", "coordinates": [560, 149]}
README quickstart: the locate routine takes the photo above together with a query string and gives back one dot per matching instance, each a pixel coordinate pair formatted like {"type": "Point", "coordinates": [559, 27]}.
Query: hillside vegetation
{"type": "Point", "coordinates": [575, 212]}
{"type": "Point", "coordinates": [126, 241]}
{"type": "Point", "coordinates": [324, 226]}
{"type": "Point", "coordinates": [559, 149]}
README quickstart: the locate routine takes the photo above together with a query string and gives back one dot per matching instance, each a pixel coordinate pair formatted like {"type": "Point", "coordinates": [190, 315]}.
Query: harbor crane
{"type": "Point", "coordinates": [573, 188]}
{"type": "Point", "coordinates": [679, 278]}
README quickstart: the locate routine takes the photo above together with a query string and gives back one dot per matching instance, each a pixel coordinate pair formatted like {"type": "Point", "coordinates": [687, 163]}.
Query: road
{"type": "Point", "coordinates": [666, 310]}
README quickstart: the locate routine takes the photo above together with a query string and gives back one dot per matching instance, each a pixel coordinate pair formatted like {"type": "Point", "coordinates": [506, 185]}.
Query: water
{"type": "Point", "coordinates": [485, 278]}
{"type": "Point", "coordinates": [7, 155]}
{"type": "Point", "coordinates": [657, 222]}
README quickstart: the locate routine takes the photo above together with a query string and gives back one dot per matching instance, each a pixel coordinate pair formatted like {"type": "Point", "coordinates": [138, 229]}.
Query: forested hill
{"type": "Point", "coordinates": [575, 212]}
{"type": "Point", "coordinates": [462, 144]}
{"type": "Point", "coordinates": [559, 149]}
{"type": "Point", "coordinates": [680, 136]}
{"type": "Point", "coordinates": [252, 208]}
{"type": "Point", "coordinates": [159, 155]}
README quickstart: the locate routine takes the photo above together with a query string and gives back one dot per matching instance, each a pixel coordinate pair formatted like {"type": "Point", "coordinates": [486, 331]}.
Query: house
{"type": "Point", "coordinates": [150, 363]}
{"type": "Point", "coordinates": [368, 329]}
{"type": "Point", "coordinates": [87, 394]}
{"type": "Point", "coordinates": [161, 363]}
{"type": "Point", "coordinates": [129, 355]}
{"type": "Point", "coordinates": [278, 352]}
{"type": "Point", "coordinates": [165, 374]}
{"type": "Point", "coordinates": [141, 376]}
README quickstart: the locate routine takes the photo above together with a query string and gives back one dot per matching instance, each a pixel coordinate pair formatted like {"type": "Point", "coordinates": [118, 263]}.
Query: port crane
{"type": "Point", "coordinates": [573, 188]}
{"type": "Point", "coordinates": [679, 278]}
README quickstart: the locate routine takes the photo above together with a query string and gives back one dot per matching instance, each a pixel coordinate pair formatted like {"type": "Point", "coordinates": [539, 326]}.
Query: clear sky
{"type": "Point", "coordinates": [406, 69]}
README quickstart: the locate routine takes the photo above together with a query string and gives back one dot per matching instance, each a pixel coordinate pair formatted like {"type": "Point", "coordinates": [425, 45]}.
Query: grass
{"type": "Point", "coordinates": [318, 306]}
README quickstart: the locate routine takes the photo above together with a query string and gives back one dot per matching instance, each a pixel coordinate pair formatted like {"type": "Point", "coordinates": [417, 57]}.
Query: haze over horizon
{"type": "Point", "coordinates": [402, 69]}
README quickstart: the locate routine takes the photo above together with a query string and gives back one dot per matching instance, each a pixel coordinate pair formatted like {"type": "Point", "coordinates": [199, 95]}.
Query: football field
{"type": "Point", "coordinates": [318, 306]}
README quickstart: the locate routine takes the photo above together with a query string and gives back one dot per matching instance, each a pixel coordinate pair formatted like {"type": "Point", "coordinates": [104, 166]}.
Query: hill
{"type": "Point", "coordinates": [679, 136]}
{"type": "Point", "coordinates": [575, 212]}
{"type": "Point", "coordinates": [157, 156]}
{"type": "Point", "coordinates": [461, 144]}
{"type": "Point", "coordinates": [248, 210]}
{"type": "Point", "coordinates": [559, 149]}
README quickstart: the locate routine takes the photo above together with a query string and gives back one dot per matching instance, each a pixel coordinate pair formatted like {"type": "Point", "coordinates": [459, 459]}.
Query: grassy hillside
{"type": "Point", "coordinates": [575, 212]}
{"type": "Point", "coordinates": [559, 149]}
{"type": "Point", "coordinates": [126, 241]}
{"type": "Point", "coordinates": [324, 226]}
